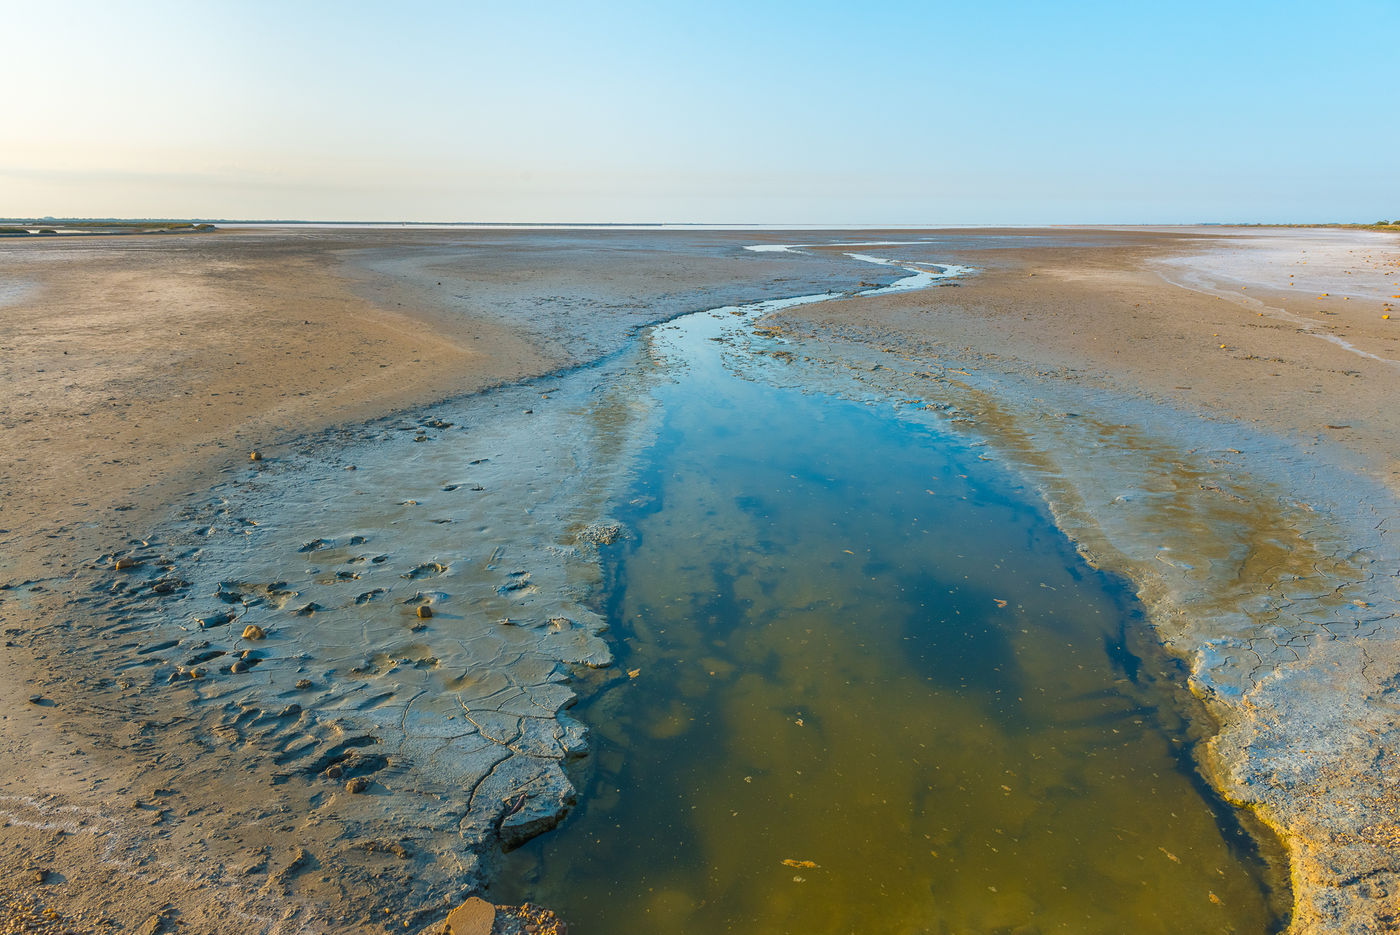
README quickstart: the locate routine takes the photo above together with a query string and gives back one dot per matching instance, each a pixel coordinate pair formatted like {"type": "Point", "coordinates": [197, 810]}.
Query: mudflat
{"type": "Point", "coordinates": [1207, 411]}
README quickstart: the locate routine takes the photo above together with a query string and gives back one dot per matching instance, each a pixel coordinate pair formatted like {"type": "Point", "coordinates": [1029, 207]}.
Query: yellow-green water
{"type": "Point", "coordinates": [864, 685]}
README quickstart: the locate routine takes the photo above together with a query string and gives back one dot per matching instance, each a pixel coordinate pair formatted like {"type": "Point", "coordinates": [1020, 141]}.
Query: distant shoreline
{"type": "Point", "coordinates": [53, 227]}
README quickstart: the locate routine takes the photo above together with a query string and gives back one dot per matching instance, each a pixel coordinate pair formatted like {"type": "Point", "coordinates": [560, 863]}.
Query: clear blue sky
{"type": "Point", "coordinates": [814, 112]}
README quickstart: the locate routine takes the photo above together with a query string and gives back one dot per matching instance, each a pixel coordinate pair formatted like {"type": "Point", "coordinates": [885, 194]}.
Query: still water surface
{"type": "Point", "coordinates": [864, 685]}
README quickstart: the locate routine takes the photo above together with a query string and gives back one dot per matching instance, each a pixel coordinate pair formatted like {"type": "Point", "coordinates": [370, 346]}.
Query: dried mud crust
{"type": "Point", "coordinates": [272, 727]}
{"type": "Point", "coordinates": [354, 729]}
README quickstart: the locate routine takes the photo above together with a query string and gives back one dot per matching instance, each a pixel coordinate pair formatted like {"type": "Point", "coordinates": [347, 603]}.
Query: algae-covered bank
{"type": "Point", "coordinates": [903, 581]}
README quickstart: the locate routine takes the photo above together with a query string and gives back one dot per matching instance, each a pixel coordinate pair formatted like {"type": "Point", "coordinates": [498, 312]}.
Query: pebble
{"type": "Point", "coordinates": [425, 611]}
{"type": "Point", "coordinates": [124, 563]}
{"type": "Point", "coordinates": [255, 456]}
{"type": "Point", "coordinates": [303, 684]}
{"type": "Point", "coordinates": [254, 632]}
{"type": "Point", "coordinates": [357, 785]}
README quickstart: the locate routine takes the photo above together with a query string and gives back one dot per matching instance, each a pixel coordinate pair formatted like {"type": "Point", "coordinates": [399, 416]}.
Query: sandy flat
{"type": "Point", "coordinates": [136, 365]}
{"type": "Point", "coordinates": [1232, 389]}
{"type": "Point", "coordinates": [143, 372]}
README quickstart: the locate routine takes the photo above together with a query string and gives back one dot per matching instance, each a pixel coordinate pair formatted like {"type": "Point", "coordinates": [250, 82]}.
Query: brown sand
{"type": "Point", "coordinates": [137, 367]}
{"type": "Point", "coordinates": [139, 370]}
{"type": "Point", "coordinates": [143, 370]}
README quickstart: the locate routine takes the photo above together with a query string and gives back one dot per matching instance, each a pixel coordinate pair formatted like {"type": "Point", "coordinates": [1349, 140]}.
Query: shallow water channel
{"type": "Point", "coordinates": [863, 684]}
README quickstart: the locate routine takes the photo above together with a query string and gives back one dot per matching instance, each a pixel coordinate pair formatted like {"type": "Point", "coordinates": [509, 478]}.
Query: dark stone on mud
{"type": "Point", "coordinates": [532, 815]}
{"type": "Point", "coordinates": [357, 785]}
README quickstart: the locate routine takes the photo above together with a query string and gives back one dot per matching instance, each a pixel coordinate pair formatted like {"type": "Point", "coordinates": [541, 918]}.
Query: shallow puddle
{"type": "Point", "coordinates": [864, 685]}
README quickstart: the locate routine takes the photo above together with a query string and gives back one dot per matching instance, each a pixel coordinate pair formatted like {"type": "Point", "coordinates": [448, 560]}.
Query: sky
{"type": "Point", "coordinates": [842, 113]}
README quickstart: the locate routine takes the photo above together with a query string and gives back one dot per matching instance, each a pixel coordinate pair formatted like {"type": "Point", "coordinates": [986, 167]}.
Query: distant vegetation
{"type": "Point", "coordinates": [1378, 226]}
{"type": "Point", "coordinates": [59, 227]}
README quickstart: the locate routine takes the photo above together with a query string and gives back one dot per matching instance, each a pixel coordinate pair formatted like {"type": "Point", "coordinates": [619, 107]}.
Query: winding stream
{"type": "Point", "coordinates": [863, 684]}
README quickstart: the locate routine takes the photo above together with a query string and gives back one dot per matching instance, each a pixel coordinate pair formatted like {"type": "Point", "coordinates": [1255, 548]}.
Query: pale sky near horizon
{"type": "Point", "coordinates": [883, 112]}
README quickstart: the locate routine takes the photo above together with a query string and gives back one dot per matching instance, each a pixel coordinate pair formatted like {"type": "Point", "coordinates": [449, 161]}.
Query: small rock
{"type": "Point", "coordinates": [473, 917]}
{"type": "Point", "coordinates": [254, 632]}
{"type": "Point", "coordinates": [303, 684]}
{"type": "Point", "coordinates": [425, 611]}
{"type": "Point", "coordinates": [239, 667]}
{"type": "Point", "coordinates": [255, 456]}
{"type": "Point", "coordinates": [123, 564]}
{"type": "Point", "coordinates": [357, 785]}
{"type": "Point", "coordinates": [334, 771]}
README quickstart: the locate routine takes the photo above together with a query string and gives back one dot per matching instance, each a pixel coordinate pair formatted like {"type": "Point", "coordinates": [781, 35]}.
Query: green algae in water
{"type": "Point", "coordinates": [864, 685]}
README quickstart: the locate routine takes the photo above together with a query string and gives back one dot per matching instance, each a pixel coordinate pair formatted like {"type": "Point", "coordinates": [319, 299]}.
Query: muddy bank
{"type": "Point", "coordinates": [1227, 483]}
{"type": "Point", "coordinates": [282, 695]}
{"type": "Point", "coordinates": [415, 627]}
{"type": "Point", "coordinates": [140, 368]}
